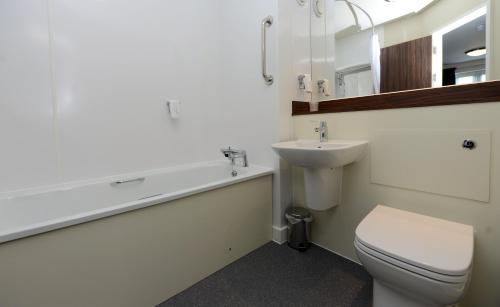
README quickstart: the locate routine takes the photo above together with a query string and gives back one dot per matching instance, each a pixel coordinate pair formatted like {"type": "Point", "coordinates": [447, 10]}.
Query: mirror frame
{"type": "Point", "coordinates": [482, 92]}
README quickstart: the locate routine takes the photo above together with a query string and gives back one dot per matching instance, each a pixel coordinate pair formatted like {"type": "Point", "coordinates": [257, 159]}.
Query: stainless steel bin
{"type": "Point", "coordinates": [299, 228]}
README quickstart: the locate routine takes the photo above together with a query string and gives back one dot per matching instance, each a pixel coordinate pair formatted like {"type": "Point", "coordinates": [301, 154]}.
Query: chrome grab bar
{"type": "Point", "coordinates": [128, 181]}
{"type": "Point", "coordinates": [266, 23]}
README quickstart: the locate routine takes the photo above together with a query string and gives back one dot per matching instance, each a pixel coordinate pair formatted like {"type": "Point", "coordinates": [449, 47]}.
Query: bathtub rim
{"type": "Point", "coordinates": [16, 233]}
{"type": "Point", "coordinates": [73, 184]}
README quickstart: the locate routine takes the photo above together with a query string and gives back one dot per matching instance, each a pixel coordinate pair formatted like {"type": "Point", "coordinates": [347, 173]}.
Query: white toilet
{"type": "Point", "coordinates": [415, 260]}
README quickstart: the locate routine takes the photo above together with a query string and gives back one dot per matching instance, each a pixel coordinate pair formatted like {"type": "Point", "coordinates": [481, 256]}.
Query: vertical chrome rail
{"type": "Point", "coordinates": [266, 23]}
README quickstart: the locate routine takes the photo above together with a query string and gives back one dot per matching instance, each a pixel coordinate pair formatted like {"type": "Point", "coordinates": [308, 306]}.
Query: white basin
{"type": "Point", "coordinates": [313, 154]}
{"type": "Point", "coordinates": [323, 165]}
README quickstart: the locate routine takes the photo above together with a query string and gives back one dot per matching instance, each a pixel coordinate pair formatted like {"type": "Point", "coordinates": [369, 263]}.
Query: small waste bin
{"type": "Point", "coordinates": [299, 225]}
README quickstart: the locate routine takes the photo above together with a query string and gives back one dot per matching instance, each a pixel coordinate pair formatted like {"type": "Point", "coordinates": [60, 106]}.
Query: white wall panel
{"type": "Point", "coordinates": [116, 64]}
{"type": "Point", "coordinates": [248, 117]}
{"type": "Point", "coordinates": [28, 153]}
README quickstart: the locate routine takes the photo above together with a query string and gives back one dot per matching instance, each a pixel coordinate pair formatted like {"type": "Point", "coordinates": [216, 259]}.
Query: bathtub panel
{"type": "Point", "coordinates": [139, 258]}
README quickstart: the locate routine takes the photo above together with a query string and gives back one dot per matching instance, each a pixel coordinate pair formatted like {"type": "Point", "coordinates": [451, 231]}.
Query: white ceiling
{"type": "Point", "coordinates": [381, 11]}
{"type": "Point", "coordinates": [469, 36]}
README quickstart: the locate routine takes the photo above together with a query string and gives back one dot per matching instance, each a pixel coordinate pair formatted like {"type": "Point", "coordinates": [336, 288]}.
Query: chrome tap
{"type": "Point", "coordinates": [233, 154]}
{"type": "Point", "coordinates": [323, 131]}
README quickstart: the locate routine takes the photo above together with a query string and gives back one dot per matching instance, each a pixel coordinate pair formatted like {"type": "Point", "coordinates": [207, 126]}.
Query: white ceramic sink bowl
{"type": "Point", "coordinates": [323, 166]}
{"type": "Point", "coordinates": [313, 154]}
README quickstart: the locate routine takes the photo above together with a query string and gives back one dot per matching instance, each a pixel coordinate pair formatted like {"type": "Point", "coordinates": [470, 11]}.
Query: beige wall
{"type": "Point", "coordinates": [334, 229]}
{"type": "Point", "coordinates": [138, 258]}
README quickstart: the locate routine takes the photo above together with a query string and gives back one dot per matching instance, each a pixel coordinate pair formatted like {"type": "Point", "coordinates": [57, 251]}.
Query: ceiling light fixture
{"type": "Point", "coordinates": [476, 52]}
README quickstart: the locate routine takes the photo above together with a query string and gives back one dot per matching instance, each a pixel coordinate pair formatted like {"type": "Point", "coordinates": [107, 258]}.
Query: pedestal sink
{"type": "Point", "coordinates": [323, 163]}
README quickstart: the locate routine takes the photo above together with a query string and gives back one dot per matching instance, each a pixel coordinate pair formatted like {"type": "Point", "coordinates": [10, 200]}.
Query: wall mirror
{"type": "Point", "coordinates": [383, 46]}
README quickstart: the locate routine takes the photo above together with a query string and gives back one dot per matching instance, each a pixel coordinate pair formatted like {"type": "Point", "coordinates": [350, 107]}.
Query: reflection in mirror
{"type": "Point", "coordinates": [384, 46]}
{"type": "Point", "coordinates": [463, 54]}
{"type": "Point", "coordinates": [363, 78]}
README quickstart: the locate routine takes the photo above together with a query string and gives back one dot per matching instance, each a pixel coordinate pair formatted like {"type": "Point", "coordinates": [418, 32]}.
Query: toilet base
{"type": "Point", "coordinates": [384, 296]}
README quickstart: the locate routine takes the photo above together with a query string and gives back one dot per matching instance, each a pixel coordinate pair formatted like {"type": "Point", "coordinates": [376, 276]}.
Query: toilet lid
{"type": "Point", "coordinates": [434, 244]}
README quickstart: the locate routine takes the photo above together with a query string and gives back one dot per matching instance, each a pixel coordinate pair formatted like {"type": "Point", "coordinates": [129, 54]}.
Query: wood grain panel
{"type": "Point", "coordinates": [406, 66]}
{"type": "Point", "coordinates": [440, 96]}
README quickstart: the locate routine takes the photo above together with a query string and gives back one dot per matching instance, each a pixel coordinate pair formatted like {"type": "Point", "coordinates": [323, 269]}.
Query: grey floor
{"type": "Point", "coordinates": [276, 275]}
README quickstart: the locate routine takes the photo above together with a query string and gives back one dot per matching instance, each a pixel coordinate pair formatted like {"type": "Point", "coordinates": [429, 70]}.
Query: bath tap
{"type": "Point", "coordinates": [233, 154]}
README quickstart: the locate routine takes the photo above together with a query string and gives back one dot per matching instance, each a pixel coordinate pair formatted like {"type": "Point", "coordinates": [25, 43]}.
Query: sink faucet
{"type": "Point", "coordinates": [232, 155]}
{"type": "Point", "coordinates": [323, 131]}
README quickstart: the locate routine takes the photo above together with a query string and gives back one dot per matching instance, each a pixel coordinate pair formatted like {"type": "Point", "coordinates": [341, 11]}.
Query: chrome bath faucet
{"type": "Point", "coordinates": [233, 154]}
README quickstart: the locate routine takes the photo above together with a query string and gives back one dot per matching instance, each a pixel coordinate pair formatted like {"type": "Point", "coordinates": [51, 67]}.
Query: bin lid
{"type": "Point", "coordinates": [298, 213]}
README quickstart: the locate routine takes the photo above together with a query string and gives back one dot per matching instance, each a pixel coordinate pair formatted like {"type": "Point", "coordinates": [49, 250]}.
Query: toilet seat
{"type": "Point", "coordinates": [437, 248]}
{"type": "Point", "coordinates": [452, 279]}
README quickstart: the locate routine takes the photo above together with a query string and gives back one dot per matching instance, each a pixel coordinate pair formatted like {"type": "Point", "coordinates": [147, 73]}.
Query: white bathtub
{"type": "Point", "coordinates": [30, 212]}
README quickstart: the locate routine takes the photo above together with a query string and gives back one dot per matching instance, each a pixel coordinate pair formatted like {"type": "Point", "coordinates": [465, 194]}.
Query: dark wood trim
{"type": "Point", "coordinates": [406, 66]}
{"type": "Point", "coordinates": [440, 96]}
